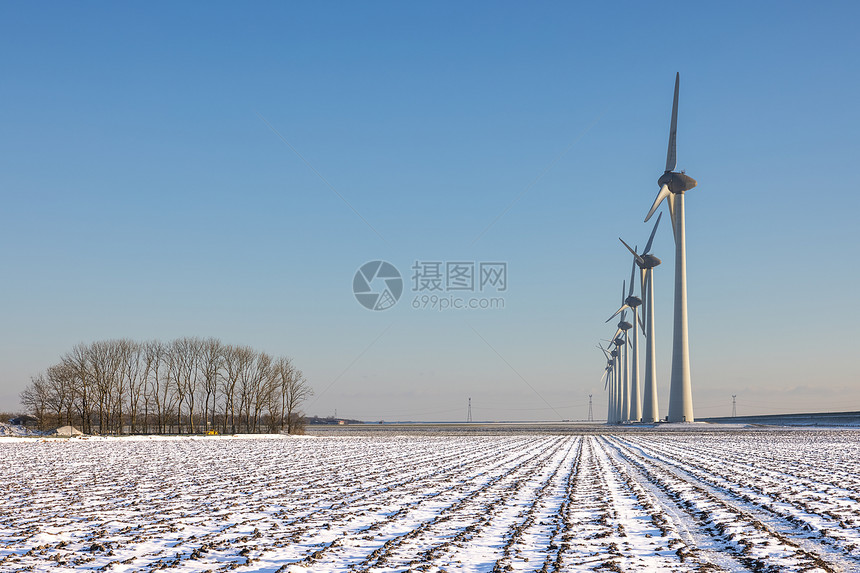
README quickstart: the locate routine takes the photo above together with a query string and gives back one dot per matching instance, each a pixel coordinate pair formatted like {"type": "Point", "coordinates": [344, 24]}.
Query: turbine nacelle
{"type": "Point", "coordinates": [624, 325]}
{"type": "Point", "coordinates": [676, 182]}
{"type": "Point", "coordinates": [648, 262]}
{"type": "Point", "coordinates": [645, 260]}
{"type": "Point", "coordinates": [633, 301]}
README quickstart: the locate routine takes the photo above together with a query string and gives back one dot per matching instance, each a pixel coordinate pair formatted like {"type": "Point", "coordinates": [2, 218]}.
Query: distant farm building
{"type": "Point", "coordinates": [26, 421]}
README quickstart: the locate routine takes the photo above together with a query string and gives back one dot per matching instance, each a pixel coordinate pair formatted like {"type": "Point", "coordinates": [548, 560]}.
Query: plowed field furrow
{"type": "Point", "coordinates": [826, 457]}
{"type": "Point", "coordinates": [806, 508]}
{"type": "Point", "coordinates": [357, 549]}
{"type": "Point", "coordinates": [647, 500]}
{"type": "Point", "coordinates": [751, 541]}
{"type": "Point", "coordinates": [536, 539]}
{"type": "Point", "coordinates": [611, 525]}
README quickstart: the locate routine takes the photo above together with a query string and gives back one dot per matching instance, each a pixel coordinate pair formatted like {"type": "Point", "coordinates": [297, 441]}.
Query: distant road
{"type": "Point", "coordinates": [809, 419]}
{"type": "Point", "coordinates": [739, 423]}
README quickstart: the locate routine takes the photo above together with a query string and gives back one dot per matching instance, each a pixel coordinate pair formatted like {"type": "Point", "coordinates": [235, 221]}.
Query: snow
{"type": "Point", "coordinates": [691, 500]}
{"type": "Point", "coordinates": [14, 430]}
{"type": "Point", "coordinates": [65, 431]}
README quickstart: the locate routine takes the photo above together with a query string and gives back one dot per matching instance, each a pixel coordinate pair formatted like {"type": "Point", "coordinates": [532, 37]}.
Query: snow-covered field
{"type": "Point", "coordinates": [633, 501]}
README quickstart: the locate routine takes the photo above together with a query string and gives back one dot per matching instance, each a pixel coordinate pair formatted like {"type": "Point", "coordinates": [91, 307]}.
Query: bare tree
{"type": "Point", "coordinates": [156, 355]}
{"type": "Point", "coordinates": [61, 397]}
{"type": "Point", "coordinates": [247, 383]}
{"type": "Point", "coordinates": [36, 398]}
{"type": "Point", "coordinates": [274, 411]}
{"type": "Point", "coordinates": [106, 369]}
{"type": "Point", "coordinates": [294, 390]}
{"type": "Point", "coordinates": [263, 387]}
{"type": "Point", "coordinates": [125, 362]}
{"type": "Point", "coordinates": [133, 372]}
{"type": "Point", "coordinates": [78, 362]}
{"type": "Point", "coordinates": [185, 354]}
{"type": "Point", "coordinates": [108, 385]}
{"type": "Point", "coordinates": [147, 363]}
{"type": "Point", "coordinates": [211, 362]}
{"type": "Point", "coordinates": [234, 359]}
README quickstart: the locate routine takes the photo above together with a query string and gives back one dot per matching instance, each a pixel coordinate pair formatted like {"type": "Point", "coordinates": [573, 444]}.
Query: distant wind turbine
{"type": "Point", "coordinates": [620, 341]}
{"type": "Point", "coordinates": [616, 385]}
{"type": "Point", "coordinates": [632, 303]}
{"type": "Point", "coordinates": [672, 187]}
{"type": "Point", "coordinates": [607, 374]}
{"type": "Point", "coordinates": [647, 262]}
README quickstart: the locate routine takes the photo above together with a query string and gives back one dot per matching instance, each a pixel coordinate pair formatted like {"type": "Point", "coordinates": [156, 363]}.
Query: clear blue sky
{"type": "Point", "coordinates": [144, 197]}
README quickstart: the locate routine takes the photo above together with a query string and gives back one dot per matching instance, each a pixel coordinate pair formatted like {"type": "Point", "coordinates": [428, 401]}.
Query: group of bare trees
{"type": "Point", "coordinates": [189, 385]}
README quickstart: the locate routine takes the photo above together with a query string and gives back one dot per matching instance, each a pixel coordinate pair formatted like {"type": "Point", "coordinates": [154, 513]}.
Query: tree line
{"type": "Point", "coordinates": [188, 385]}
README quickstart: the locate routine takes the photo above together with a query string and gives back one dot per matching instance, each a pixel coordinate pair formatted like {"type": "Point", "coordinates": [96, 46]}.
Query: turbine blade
{"type": "Point", "coordinates": [672, 215]}
{"type": "Point", "coordinates": [632, 275]}
{"type": "Point", "coordinates": [623, 290]}
{"type": "Point", "coordinates": [623, 306]}
{"type": "Point", "coordinates": [662, 194]}
{"type": "Point", "coordinates": [642, 324]}
{"type": "Point", "coordinates": [653, 232]}
{"type": "Point", "coordinates": [639, 259]}
{"type": "Point", "coordinates": [673, 129]}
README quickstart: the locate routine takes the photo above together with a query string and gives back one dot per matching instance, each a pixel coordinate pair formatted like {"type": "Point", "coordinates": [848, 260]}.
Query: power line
{"type": "Point", "coordinates": [533, 389]}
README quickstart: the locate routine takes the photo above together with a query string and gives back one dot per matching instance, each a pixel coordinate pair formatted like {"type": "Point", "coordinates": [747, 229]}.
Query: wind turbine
{"type": "Point", "coordinates": [672, 187]}
{"type": "Point", "coordinates": [624, 370]}
{"type": "Point", "coordinates": [632, 303]}
{"type": "Point", "coordinates": [616, 385]}
{"type": "Point", "coordinates": [620, 341]}
{"type": "Point", "coordinates": [607, 374]}
{"type": "Point", "coordinates": [647, 262]}
{"type": "Point", "coordinates": [614, 382]}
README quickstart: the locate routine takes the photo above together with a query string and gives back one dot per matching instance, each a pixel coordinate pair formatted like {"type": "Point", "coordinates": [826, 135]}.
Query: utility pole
{"type": "Point", "coordinates": [590, 411]}
{"type": "Point", "coordinates": [469, 411]}
{"type": "Point", "coordinates": [734, 406]}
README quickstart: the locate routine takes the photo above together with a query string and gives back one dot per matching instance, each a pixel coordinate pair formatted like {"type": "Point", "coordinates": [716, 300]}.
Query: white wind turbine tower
{"type": "Point", "coordinates": [647, 262]}
{"type": "Point", "coordinates": [672, 187]}
{"type": "Point", "coordinates": [609, 375]}
{"type": "Point", "coordinates": [606, 376]}
{"type": "Point", "coordinates": [614, 384]}
{"type": "Point", "coordinates": [623, 373]}
{"type": "Point", "coordinates": [622, 369]}
{"type": "Point", "coordinates": [614, 381]}
{"type": "Point", "coordinates": [632, 303]}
